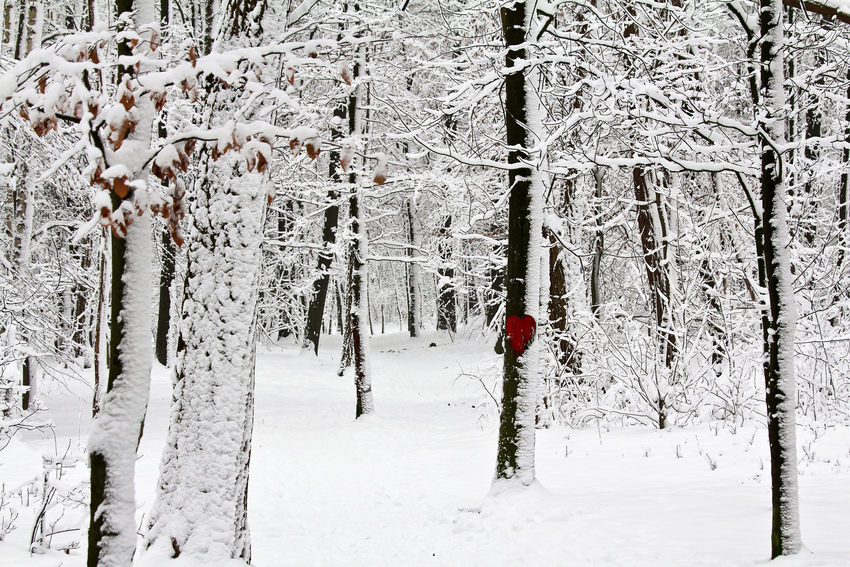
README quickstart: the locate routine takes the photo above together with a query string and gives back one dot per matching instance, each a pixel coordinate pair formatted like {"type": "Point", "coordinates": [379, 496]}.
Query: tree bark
{"type": "Point", "coordinates": [358, 314]}
{"type": "Point", "coordinates": [780, 395]}
{"type": "Point", "coordinates": [169, 250]}
{"type": "Point", "coordinates": [650, 215]}
{"type": "Point", "coordinates": [598, 247]}
{"type": "Point", "coordinates": [446, 292]}
{"type": "Point", "coordinates": [116, 432]}
{"type": "Point", "coordinates": [209, 437]}
{"type": "Point", "coordinates": [559, 309]}
{"type": "Point", "coordinates": [844, 188]}
{"type": "Point", "coordinates": [316, 310]}
{"type": "Point", "coordinates": [166, 279]}
{"type": "Point", "coordinates": [412, 270]}
{"type": "Point", "coordinates": [520, 385]}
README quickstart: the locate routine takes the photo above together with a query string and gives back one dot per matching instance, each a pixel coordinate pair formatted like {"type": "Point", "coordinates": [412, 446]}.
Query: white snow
{"type": "Point", "coordinates": [408, 485]}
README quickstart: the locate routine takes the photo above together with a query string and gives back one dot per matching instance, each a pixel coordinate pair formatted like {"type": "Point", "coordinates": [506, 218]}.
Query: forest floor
{"type": "Point", "coordinates": [409, 486]}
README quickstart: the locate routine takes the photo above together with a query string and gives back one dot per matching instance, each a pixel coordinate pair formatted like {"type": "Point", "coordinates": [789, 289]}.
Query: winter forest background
{"type": "Point", "coordinates": [600, 245]}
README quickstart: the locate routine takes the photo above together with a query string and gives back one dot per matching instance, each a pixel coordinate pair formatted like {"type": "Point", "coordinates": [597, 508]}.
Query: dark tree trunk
{"type": "Point", "coordinates": [598, 247]}
{"type": "Point", "coordinates": [316, 310]}
{"type": "Point", "coordinates": [117, 431]}
{"type": "Point", "coordinates": [515, 455]}
{"type": "Point", "coordinates": [29, 382]}
{"type": "Point", "coordinates": [814, 121]}
{"type": "Point", "coordinates": [446, 292]}
{"type": "Point", "coordinates": [559, 313]}
{"type": "Point", "coordinates": [169, 250]}
{"type": "Point", "coordinates": [79, 320]}
{"type": "Point", "coordinates": [497, 283]}
{"type": "Point", "coordinates": [780, 395]}
{"type": "Point", "coordinates": [101, 340]}
{"type": "Point", "coordinates": [412, 270]}
{"type": "Point", "coordinates": [844, 187]}
{"type": "Point", "coordinates": [650, 218]}
{"type": "Point", "coordinates": [166, 279]}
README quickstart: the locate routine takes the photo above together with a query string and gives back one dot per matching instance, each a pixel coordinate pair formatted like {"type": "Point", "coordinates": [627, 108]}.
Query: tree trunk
{"type": "Point", "coordinates": [412, 270]}
{"type": "Point", "coordinates": [568, 357]}
{"type": "Point", "coordinates": [169, 250]}
{"type": "Point", "coordinates": [359, 316]}
{"type": "Point", "coordinates": [209, 438]}
{"type": "Point", "coordinates": [779, 370]}
{"type": "Point", "coordinates": [650, 218]}
{"type": "Point", "coordinates": [166, 279]}
{"type": "Point", "coordinates": [496, 273]}
{"type": "Point", "coordinates": [101, 340]}
{"type": "Point", "coordinates": [30, 381]}
{"type": "Point", "coordinates": [814, 121]}
{"type": "Point", "coordinates": [844, 187]}
{"type": "Point", "coordinates": [116, 432]}
{"type": "Point", "coordinates": [520, 385]}
{"type": "Point", "coordinates": [598, 247]}
{"type": "Point", "coordinates": [316, 310]}
{"type": "Point", "coordinates": [358, 313]}
{"type": "Point", "coordinates": [446, 292]}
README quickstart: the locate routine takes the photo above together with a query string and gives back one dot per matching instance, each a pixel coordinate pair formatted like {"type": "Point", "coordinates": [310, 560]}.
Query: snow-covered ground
{"type": "Point", "coordinates": [409, 486]}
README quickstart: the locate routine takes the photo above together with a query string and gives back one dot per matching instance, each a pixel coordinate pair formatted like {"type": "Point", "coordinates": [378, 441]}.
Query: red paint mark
{"type": "Point", "coordinates": [520, 331]}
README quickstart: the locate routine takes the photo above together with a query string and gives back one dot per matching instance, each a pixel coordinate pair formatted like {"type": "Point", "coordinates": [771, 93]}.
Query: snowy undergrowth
{"type": "Point", "coordinates": [410, 485]}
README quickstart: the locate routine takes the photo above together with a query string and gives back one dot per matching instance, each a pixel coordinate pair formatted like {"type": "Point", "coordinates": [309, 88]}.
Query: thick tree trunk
{"type": "Point", "coordinates": [209, 438]}
{"type": "Point", "coordinates": [779, 370]}
{"type": "Point", "coordinates": [520, 385]}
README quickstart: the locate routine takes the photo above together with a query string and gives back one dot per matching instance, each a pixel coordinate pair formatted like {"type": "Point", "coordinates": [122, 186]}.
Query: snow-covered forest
{"type": "Point", "coordinates": [424, 282]}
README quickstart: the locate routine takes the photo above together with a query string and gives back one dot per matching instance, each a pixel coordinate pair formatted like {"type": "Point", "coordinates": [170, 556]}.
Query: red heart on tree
{"type": "Point", "coordinates": [520, 331]}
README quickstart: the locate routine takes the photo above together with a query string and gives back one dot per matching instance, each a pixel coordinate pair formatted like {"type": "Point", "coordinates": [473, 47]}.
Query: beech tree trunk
{"type": "Point", "coordinates": [212, 416]}
{"type": "Point", "coordinates": [116, 432]}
